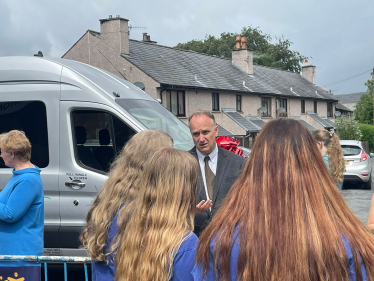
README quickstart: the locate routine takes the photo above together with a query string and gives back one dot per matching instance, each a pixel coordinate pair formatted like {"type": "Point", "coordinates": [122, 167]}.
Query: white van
{"type": "Point", "coordinates": [77, 118]}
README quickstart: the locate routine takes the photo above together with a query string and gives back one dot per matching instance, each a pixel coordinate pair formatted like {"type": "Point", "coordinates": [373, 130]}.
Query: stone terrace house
{"type": "Point", "coordinates": [241, 95]}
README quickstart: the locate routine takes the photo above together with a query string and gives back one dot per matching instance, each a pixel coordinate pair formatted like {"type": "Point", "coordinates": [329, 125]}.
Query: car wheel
{"type": "Point", "coordinates": [367, 185]}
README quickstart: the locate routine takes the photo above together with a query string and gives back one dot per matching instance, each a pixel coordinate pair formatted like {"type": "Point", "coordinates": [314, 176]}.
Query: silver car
{"type": "Point", "coordinates": [357, 163]}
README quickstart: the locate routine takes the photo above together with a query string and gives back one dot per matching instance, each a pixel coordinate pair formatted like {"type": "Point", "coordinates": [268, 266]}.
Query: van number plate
{"type": "Point", "coordinates": [347, 163]}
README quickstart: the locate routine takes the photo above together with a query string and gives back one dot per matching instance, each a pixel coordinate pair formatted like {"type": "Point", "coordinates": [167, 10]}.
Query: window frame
{"type": "Point", "coordinates": [330, 111]}
{"type": "Point", "coordinates": [239, 103]}
{"type": "Point", "coordinates": [302, 106]}
{"type": "Point", "coordinates": [283, 101]}
{"type": "Point", "coordinates": [111, 133]}
{"type": "Point", "coordinates": [268, 113]}
{"type": "Point", "coordinates": [183, 102]}
{"type": "Point", "coordinates": [215, 99]}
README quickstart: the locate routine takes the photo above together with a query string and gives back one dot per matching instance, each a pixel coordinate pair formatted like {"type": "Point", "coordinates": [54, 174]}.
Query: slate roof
{"type": "Point", "coordinates": [306, 124]}
{"type": "Point", "coordinates": [328, 121]}
{"type": "Point", "coordinates": [170, 66]}
{"type": "Point", "coordinates": [256, 120]}
{"type": "Point", "coordinates": [223, 132]}
{"type": "Point", "coordinates": [350, 98]}
{"type": "Point", "coordinates": [241, 120]}
{"type": "Point", "coordinates": [321, 120]}
{"type": "Point", "coordinates": [339, 106]}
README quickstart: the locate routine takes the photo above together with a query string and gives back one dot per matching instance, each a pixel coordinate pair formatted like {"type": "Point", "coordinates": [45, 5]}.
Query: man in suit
{"type": "Point", "coordinates": [218, 171]}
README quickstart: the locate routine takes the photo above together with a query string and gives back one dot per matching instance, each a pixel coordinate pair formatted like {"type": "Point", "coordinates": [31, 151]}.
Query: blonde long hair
{"type": "Point", "coordinates": [122, 186]}
{"type": "Point", "coordinates": [288, 214]}
{"type": "Point", "coordinates": [163, 214]}
{"type": "Point", "coordinates": [335, 153]}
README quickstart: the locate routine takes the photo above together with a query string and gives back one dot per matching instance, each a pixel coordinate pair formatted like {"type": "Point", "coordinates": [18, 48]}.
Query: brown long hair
{"type": "Point", "coordinates": [121, 186]}
{"type": "Point", "coordinates": [289, 214]}
{"type": "Point", "coordinates": [334, 151]}
{"type": "Point", "coordinates": [163, 214]}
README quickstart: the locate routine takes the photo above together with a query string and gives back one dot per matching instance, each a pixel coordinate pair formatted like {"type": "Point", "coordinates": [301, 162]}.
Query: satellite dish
{"type": "Point", "coordinates": [281, 110]}
{"type": "Point", "coordinates": [139, 85]}
{"type": "Point", "coordinates": [338, 113]}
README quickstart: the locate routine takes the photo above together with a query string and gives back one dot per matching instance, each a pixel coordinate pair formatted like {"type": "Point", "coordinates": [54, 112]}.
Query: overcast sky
{"type": "Point", "coordinates": [338, 35]}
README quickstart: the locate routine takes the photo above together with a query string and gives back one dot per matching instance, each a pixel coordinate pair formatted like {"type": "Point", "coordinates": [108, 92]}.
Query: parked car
{"type": "Point", "coordinates": [77, 117]}
{"type": "Point", "coordinates": [357, 163]}
{"type": "Point", "coordinates": [246, 151]}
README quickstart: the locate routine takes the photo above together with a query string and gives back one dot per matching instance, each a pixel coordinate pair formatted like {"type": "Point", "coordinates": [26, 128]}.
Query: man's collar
{"type": "Point", "coordinates": [212, 155]}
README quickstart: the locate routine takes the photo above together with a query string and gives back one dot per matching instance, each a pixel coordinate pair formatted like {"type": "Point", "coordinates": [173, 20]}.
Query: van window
{"type": "Point", "coordinates": [30, 117]}
{"type": "Point", "coordinates": [154, 116]}
{"type": "Point", "coordinates": [99, 137]}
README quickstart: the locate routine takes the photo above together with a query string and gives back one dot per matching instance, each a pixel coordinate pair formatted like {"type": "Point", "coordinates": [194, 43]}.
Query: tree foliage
{"type": "Point", "coordinates": [364, 109]}
{"type": "Point", "coordinates": [367, 134]}
{"type": "Point", "coordinates": [347, 128]}
{"type": "Point", "coordinates": [265, 52]}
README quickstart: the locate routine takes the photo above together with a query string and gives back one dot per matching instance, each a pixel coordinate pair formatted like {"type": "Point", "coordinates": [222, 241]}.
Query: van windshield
{"type": "Point", "coordinates": [154, 116]}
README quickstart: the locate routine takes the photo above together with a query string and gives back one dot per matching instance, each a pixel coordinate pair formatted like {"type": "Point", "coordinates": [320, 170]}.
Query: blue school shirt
{"type": "Point", "coordinates": [182, 265]}
{"type": "Point", "coordinates": [198, 275]}
{"type": "Point", "coordinates": [22, 214]}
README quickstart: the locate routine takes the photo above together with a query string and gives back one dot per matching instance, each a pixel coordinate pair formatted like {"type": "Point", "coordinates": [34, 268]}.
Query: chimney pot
{"type": "Point", "coordinates": [306, 62]}
{"type": "Point", "coordinates": [145, 37]}
{"type": "Point", "coordinates": [244, 43]}
{"type": "Point", "coordinates": [324, 88]}
{"type": "Point", "coordinates": [238, 38]}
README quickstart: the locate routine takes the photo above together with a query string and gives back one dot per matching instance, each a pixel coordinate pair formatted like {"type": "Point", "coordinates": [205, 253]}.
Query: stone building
{"type": "Point", "coordinates": [242, 96]}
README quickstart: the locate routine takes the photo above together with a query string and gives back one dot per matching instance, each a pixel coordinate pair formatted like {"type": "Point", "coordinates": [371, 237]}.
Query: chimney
{"type": "Point", "coordinates": [324, 88]}
{"type": "Point", "coordinates": [242, 57]}
{"type": "Point", "coordinates": [309, 72]}
{"type": "Point", "coordinates": [115, 33]}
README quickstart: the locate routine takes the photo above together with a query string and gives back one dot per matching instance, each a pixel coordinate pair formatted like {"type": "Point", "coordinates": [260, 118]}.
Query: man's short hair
{"type": "Point", "coordinates": [203, 112]}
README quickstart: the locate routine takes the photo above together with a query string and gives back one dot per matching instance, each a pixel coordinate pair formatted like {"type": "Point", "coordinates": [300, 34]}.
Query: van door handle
{"type": "Point", "coordinates": [75, 184]}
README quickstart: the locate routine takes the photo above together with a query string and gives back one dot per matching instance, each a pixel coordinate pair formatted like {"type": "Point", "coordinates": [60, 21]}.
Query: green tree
{"type": "Point", "coordinates": [277, 55]}
{"type": "Point", "coordinates": [347, 128]}
{"type": "Point", "coordinates": [367, 134]}
{"type": "Point", "coordinates": [364, 109]}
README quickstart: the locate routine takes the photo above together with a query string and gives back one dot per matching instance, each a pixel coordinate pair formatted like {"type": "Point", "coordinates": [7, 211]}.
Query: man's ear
{"type": "Point", "coordinates": [216, 129]}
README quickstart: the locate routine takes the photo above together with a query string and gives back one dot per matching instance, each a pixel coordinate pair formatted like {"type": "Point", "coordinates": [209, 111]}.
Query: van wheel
{"type": "Point", "coordinates": [367, 185]}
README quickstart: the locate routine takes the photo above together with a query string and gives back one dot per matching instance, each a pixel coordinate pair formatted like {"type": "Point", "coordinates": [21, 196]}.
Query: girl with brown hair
{"type": "Point", "coordinates": [331, 151]}
{"type": "Point", "coordinates": [106, 219]}
{"type": "Point", "coordinates": [284, 219]}
{"type": "Point", "coordinates": [158, 243]}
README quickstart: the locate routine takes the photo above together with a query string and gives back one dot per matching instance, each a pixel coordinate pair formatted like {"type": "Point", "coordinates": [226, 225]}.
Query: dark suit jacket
{"type": "Point", "coordinates": [228, 167]}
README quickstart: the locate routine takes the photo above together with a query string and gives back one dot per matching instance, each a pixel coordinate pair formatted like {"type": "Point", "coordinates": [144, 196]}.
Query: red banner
{"type": "Point", "coordinates": [229, 144]}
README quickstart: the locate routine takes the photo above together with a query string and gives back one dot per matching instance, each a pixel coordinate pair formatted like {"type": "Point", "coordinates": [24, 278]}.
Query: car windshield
{"type": "Point", "coordinates": [154, 116]}
{"type": "Point", "coordinates": [350, 150]}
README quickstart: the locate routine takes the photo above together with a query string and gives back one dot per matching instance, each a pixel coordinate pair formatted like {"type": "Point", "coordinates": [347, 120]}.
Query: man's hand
{"type": "Point", "coordinates": [203, 206]}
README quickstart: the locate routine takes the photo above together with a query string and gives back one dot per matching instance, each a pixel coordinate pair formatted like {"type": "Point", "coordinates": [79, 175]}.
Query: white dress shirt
{"type": "Point", "coordinates": [212, 165]}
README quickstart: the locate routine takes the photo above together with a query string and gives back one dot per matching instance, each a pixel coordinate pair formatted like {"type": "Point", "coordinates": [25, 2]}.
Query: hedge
{"type": "Point", "coordinates": [367, 134]}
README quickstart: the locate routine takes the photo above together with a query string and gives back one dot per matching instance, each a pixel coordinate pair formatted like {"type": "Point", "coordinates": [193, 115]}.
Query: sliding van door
{"type": "Point", "coordinates": [93, 135]}
{"type": "Point", "coordinates": [33, 108]}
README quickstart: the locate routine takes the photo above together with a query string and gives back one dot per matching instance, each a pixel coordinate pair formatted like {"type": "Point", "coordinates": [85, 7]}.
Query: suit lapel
{"type": "Point", "coordinates": [222, 163]}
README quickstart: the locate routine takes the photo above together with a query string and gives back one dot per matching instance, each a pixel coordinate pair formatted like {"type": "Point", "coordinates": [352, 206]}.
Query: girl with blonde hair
{"type": "Point", "coordinates": [158, 243]}
{"type": "Point", "coordinates": [331, 151]}
{"type": "Point", "coordinates": [106, 219]}
{"type": "Point", "coordinates": [284, 219]}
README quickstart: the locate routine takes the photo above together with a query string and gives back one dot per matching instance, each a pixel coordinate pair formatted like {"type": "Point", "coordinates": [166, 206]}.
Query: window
{"type": "Point", "coordinates": [266, 107]}
{"type": "Point", "coordinates": [175, 102]}
{"type": "Point", "coordinates": [302, 106]}
{"type": "Point", "coordinates": [315, 106]}
{"type": "Point", "coordinates": [330, 109]}
{"type": "Point", "coordinates": [215, 101]}
{"type": "Point", "coordinates": [30, 117]}
{"type": "Point", "coordinates": [99, 137]}
{"type": "Point", "coordinates": [154, 116]}
{"type": "Point", "coordinates": [238, 103]}
{"type": "Point", "coordinates": [282, 109]}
